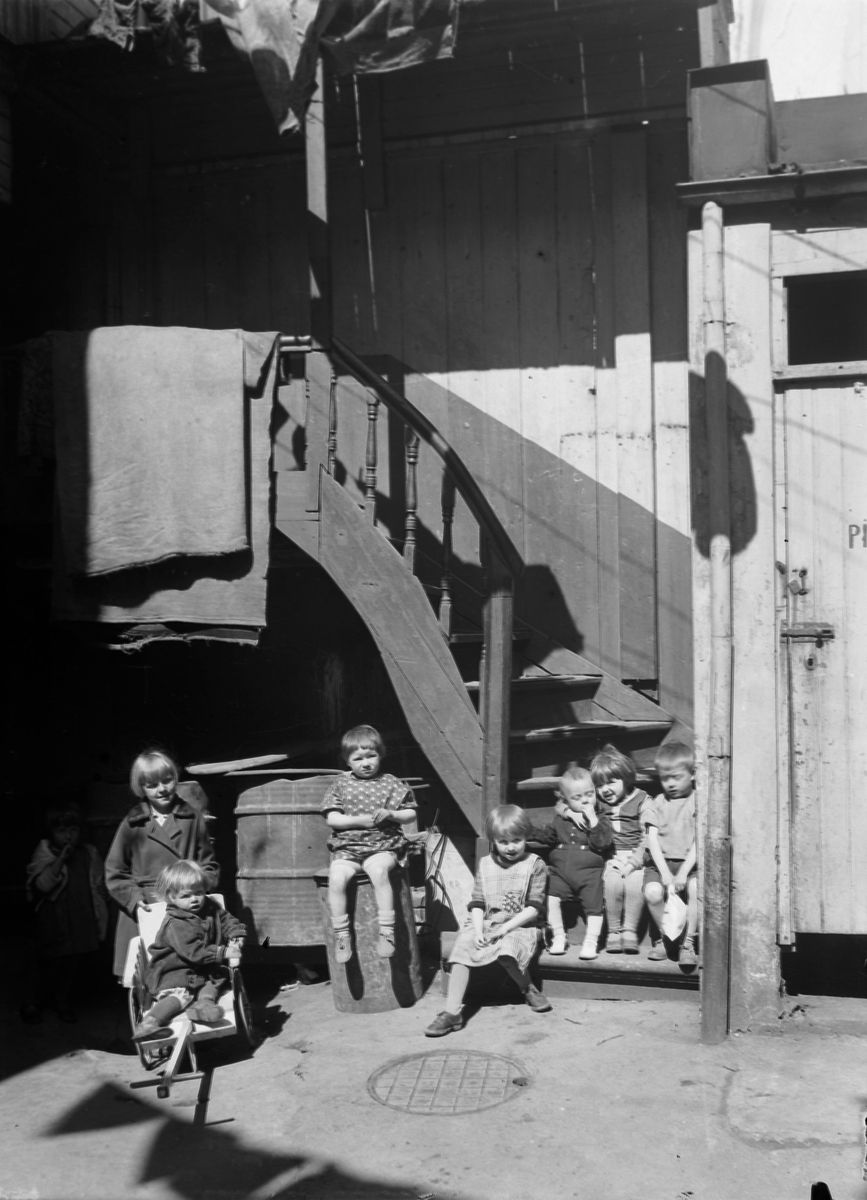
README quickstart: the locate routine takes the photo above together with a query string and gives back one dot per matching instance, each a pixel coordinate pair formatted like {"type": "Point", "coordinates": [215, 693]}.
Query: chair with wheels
{"type": "Point", "coordinates": [169, 1053]}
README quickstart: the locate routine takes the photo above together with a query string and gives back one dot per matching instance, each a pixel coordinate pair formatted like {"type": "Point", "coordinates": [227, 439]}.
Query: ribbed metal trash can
{"type": "Point", "coordinates": [281, 836]}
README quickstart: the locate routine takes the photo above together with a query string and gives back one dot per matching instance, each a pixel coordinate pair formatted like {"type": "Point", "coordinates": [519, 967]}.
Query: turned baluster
{"type": "Point", "coordinates": [448, 507]}
{"type": "Point", "coordinates": [331, 457]}
{"type": "Point", "coordinates": [370, 458]}
{"type": "Point", "coordinates": [411, 444]}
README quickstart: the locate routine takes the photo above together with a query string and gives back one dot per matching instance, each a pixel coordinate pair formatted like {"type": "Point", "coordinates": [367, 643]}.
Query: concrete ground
{"type": "Point", "coordinates": [620, 1101]}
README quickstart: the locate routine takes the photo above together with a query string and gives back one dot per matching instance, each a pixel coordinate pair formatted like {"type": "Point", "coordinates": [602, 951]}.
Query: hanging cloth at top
{"type": "Point", "coordinates": [281, 38]}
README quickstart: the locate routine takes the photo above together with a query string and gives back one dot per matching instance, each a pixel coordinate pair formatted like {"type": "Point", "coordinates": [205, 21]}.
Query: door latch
{"type": "Point", "coordinates": [808, 631]}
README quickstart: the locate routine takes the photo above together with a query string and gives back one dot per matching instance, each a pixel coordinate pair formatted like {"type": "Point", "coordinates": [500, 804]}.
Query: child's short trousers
{"type": "Point", "coordinates": [583, 884]}
{"type": "Point", "coordinates": [651, 875]}
{"type": "Point", "coordinates": [360, 855]}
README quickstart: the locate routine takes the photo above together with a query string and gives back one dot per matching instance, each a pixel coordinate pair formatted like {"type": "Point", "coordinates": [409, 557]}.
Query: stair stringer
{"type": "Point", "coordinates": [398, 613]}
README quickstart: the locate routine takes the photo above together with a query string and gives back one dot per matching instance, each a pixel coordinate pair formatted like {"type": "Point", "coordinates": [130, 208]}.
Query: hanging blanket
{"type": "Point", "coordinates": [163, 447]}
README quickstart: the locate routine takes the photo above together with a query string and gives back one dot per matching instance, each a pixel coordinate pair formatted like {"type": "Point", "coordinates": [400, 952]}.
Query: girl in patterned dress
{"type": "Point", "coordinates": [504, 913]}
{"type": "Point", "coordinates": [365, 811]}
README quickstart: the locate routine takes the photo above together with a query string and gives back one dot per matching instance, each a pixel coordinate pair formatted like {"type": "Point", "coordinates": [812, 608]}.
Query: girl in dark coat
{"type": "Point", "coordinates": [157, 832]}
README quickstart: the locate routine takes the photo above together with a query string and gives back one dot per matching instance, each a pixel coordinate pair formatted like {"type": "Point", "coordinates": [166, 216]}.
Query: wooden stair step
{"type": "Point", "coordinates": [468, 637]}
{"type": "Point", "coordinates": [541, 682]}
{"type": "Point", "coordinates": [562, 732]}
{"type": "Point", "coordinates": [635, 969]}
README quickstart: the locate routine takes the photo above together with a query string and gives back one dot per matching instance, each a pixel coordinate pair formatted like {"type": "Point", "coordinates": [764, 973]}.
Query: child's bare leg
{"type": "Point", "coordinates": [654, 898]}
{"type": "Point", "coordinates": [532, 995]}
{"type": "Point", "coordinates": [378, 867]}
{"type": "Point", "coordinates": [340, 873]}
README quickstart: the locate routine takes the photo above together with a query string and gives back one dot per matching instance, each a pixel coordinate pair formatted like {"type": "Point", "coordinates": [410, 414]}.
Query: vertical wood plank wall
{"type": "Point", "coordinates": [529, 293]}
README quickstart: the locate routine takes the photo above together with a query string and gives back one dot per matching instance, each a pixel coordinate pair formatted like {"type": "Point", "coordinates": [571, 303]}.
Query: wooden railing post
{"type": "Point", "coordinates": [448, 507]}
{"type": "Point", "coordinates": [331, 458]}
{"type": "Point", "coordinates": [495, 681]}
{"type": "Point", "coordinates": [370, 459]}
{"type": "Point", "coordinates": [411, 442]}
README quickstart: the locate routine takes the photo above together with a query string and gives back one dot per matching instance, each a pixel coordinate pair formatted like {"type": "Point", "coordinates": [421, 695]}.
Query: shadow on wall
{"type": "Point", "coordinates": [743, 518]}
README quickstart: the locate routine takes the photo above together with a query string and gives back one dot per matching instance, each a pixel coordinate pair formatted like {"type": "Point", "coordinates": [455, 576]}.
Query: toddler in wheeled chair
{"type": "Point", "coordinates": [189, 956]}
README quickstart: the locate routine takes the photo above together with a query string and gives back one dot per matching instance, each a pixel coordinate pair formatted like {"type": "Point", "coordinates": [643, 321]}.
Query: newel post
{"type": "Point", "coordinates": [495, 681]}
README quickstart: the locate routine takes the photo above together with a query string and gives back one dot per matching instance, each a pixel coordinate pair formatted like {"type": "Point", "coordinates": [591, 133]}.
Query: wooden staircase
{"type": "Point", "coordinates": [495, 709]}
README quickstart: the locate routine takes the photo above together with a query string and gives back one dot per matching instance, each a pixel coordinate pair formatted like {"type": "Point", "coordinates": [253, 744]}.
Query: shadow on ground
{"type": "Point", "coordinates": [200, 1164]}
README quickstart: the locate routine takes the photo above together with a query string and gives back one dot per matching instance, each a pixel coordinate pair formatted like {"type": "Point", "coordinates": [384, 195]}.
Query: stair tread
{"type": "Point", "coordinates": [563, 731]}
{"type": "Point", "coordinates": [619, 968]}
{"type": "Point", "coordinates": [541, 681]}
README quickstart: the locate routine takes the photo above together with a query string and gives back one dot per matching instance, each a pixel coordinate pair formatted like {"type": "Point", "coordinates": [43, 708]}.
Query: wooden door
{"type": "Point", "coordinates": [823, 563]}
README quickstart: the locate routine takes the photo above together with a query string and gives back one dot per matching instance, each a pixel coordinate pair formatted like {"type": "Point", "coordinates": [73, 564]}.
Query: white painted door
{"type": "Point", "coordinates": [824, 444]}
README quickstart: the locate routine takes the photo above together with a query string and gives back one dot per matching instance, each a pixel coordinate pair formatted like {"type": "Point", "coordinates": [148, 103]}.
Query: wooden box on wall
{"type": "Point", "coordinates": [731, 121]}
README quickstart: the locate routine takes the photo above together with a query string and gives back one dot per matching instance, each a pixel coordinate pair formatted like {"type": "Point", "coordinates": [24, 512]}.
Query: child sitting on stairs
{"type": "Point", "coordinates": [580, 840]}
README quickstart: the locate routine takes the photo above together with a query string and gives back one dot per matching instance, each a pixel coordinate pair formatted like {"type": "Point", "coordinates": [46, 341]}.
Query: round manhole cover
{"type": "Point", "coordinates": [445, 1083]}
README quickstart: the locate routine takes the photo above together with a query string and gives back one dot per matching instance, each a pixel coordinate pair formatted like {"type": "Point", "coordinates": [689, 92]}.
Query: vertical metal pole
{"type": "Point", "coordinates": [318, 238]}
{"type": "Point", "coordinates": [716, 925]}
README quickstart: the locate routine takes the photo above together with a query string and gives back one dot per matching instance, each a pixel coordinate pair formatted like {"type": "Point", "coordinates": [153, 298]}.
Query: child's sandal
{"type": "Point", "coordinates": [385, 946]}
{"type": "Point", "coordinates": [342, 945]}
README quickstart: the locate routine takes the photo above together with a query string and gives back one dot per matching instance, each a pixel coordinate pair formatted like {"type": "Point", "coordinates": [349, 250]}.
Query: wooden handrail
{"type": "Point", "coordinates": [476, 501]}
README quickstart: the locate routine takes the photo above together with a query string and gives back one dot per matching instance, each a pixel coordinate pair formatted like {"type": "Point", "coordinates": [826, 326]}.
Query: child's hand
{"type": "Point", "coordinates": [144, 907]}
{"type": "Point", "coordinates": [679, 882]}
{"type": "Point", "coordinates": [667, 879]}
{"type": "Point", "coordinates": [382, 816]}
{"type": "Point", "coordinates": [480, 941]}
{"type": "Point", "coordinates": [588, 810]}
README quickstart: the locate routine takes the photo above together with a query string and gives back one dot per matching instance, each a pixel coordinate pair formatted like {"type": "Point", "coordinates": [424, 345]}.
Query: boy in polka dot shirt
{"type": "Point", "coordinates": [365, 811]}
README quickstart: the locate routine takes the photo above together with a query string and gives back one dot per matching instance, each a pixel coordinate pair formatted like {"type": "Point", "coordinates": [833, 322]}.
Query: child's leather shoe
{"type": "Point", "coordinates": [342, 945]}
{"type": "Point", "coordinates": [613, 944]}
{"type": "Point", "coordinates": [629, 942]}
{"type": "Point", "coordinates": [208, 1012]}
{"type": "Point", "coordinates": [149, 1029]}
{"type": "Point", "coordinates": [687, 956]}
{"type": "Point", "coordinates": [537, 1000]}
{"type": "Point", "coordinates": [558, 942]}
{"type": "Point", "coordinates": [658, 952]}
{"type": "Point", "coordinates": [385, 945]}
{"type": "Point", "coordinates": [443, 1023]}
